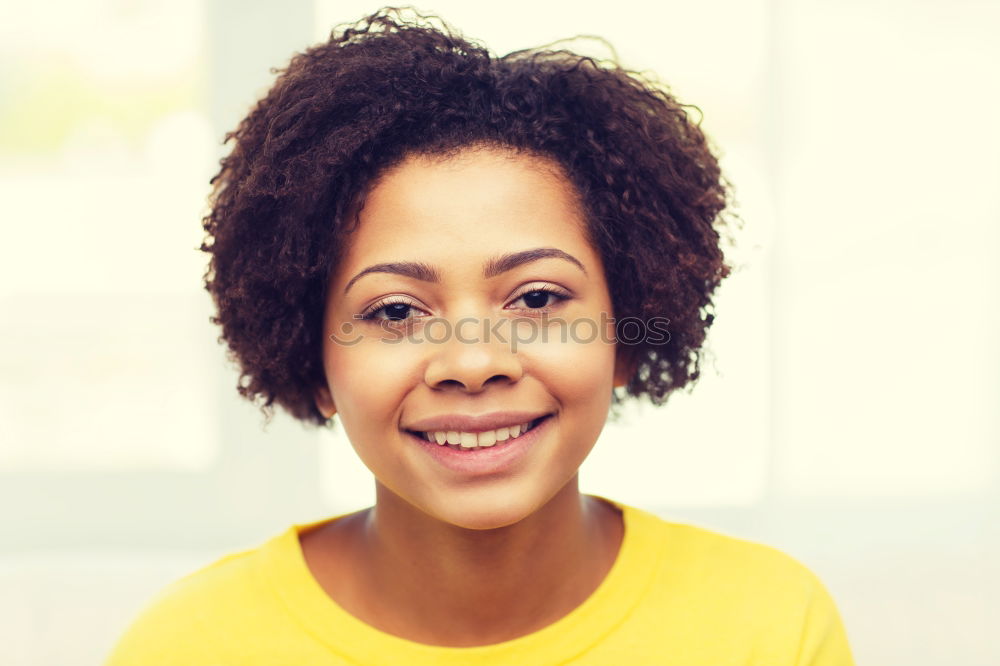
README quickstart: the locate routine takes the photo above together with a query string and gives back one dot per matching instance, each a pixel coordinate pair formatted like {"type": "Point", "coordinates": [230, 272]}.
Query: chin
{"type": "Point", "coordinates": [485, 516]}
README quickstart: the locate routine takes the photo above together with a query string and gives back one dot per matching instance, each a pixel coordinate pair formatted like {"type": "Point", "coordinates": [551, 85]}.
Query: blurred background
{"type": "Point", "coordinates": [849, 415]}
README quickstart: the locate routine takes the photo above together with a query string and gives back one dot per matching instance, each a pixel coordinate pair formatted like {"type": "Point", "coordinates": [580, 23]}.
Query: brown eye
{"type": "Point", "coordinates": [541, 299]}
{"type": "Point", "coordinates": [537, 299]}
{"type": "Point", "coordinates": [397, 311]}
{"type": "Point", "coordinates": [392, 310]}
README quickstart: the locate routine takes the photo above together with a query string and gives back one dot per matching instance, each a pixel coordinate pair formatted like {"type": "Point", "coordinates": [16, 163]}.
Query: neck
{"type": "Point", "coordinates": [441, 584]}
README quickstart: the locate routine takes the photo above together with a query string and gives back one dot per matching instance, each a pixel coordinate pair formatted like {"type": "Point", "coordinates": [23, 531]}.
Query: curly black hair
{"type": "Point", "coordinates": [343, 112]}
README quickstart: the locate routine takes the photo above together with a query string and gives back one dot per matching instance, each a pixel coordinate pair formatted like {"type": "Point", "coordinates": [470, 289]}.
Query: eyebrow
{"type": "Point", "coordinates": [494, 267]}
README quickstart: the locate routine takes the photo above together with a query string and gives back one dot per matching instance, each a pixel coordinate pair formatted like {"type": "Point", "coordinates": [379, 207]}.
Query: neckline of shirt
{"type": "Point", "coordinates": [576, 632]}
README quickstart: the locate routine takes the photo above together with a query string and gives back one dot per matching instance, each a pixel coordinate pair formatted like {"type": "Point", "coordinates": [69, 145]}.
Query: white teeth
{"type": "Point", "coordinates": [471, 440]}
{"type": "Point", "coordinates": [488, 438]}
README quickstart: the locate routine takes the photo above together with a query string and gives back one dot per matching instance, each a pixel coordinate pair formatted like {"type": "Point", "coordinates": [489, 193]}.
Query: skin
{"type": "Point", "coordinates": [448, 558]}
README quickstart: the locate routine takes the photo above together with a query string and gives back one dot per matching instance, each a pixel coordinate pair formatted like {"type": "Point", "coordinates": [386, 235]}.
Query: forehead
{"type": "Point", "coordinates": [479, 202]}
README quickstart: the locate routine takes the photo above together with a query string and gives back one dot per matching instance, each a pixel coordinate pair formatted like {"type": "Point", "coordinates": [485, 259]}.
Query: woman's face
{"type": "Point", "coordinates": [453, 264]}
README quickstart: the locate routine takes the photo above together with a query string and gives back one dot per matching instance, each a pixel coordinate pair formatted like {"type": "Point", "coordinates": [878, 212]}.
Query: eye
{"type": "Point", "coordinates": [540, 299]}
{"type": "Point", "coordinates": [391, 309]}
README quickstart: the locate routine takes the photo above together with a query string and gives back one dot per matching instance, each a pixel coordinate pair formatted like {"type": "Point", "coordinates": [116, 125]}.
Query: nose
{"type": "Point", "coordinates": [470, 361]}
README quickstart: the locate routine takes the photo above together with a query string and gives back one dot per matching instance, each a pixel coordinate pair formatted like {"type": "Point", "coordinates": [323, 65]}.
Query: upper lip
{"type": "Point", "coordinates": [469, 423]}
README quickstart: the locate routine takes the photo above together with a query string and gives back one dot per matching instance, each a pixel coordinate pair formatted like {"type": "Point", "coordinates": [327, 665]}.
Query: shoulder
{"type": "Point", "coordinates": [705, 554]}
{"type": "Point", "coordinates": [753, 592]}
{"type": "Point", "coordinates": [224, 580]}
{"type": "Point", "coordinates": [191, 617]}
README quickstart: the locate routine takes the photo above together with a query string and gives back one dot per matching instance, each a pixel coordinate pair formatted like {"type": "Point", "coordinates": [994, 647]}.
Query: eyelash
{"type": "Point", "coordinates": [371, 313]}
{"type": "Point", "coordinates": [379, 306]}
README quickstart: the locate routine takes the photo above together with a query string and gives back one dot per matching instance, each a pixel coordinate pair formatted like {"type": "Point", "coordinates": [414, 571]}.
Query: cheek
{"type": "Point", "coordinates": [581, 372]}
{"type": "Point", "coordinates": [369, 380]}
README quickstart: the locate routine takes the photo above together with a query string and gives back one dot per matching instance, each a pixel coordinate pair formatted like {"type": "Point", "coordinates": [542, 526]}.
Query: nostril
{"type": "Point", "coordinates": [455, 383]}
{"type": "Point", "coordinates": [502, 378]}
{"type": "Point", "coordinates": [449, 383]}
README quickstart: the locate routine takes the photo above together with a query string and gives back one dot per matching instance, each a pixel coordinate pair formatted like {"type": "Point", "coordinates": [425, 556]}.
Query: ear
{"type": "Point", "coordinates": [324, 401]}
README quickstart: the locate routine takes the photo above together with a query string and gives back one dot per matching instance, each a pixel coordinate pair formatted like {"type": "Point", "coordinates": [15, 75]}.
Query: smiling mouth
{"type": "Point", "coordinates": [465, 441]}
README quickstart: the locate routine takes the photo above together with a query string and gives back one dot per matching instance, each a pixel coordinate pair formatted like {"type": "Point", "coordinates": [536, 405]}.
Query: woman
{"type": "Point", "coordinates": [443, 248]}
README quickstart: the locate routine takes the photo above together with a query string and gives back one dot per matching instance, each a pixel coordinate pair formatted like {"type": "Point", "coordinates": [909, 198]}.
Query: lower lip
{"type": "Point", "coordinates": [484, 460]}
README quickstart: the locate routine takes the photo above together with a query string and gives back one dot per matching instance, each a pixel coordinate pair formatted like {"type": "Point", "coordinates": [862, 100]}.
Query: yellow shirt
{"type": "Point", "coordinates": [677, 595]}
